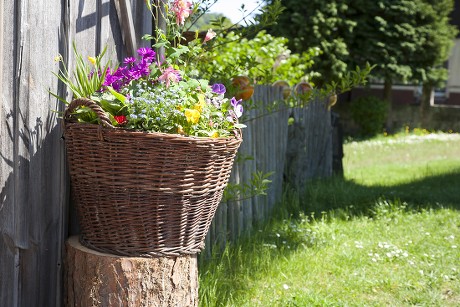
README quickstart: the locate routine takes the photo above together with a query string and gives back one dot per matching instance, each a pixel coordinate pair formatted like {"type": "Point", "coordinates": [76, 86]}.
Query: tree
{"type": "Point", "coordinates": [438, 36]}
{"type": "Point", "coordinates": [320, 24]}
{"type": "Point", "coordinates": [407, 40]}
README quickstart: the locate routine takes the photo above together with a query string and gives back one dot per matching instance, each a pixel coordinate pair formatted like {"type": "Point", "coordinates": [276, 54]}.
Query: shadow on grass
{"type": "Point", "coordinates": [338, 193]}
{"type": "Point", "coordinates": [228, 275]}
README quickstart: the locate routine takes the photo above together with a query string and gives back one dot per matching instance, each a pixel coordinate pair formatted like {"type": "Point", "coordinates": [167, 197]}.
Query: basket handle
{"type": "Point", "coordinates": [79, 102]}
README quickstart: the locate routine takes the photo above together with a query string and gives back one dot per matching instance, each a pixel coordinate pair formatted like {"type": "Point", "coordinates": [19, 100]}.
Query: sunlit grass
{"type": "Point", "coordinates": [386, 235]}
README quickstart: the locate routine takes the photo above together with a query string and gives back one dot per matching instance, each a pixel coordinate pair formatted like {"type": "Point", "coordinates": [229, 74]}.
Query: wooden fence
{"type": "Point", "coordinates": [294, 153]}
{"type": "Point", "coordinates": [35, 211]}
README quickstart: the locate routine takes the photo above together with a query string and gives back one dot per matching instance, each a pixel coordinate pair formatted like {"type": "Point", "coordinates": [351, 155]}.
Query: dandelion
{"type": "Point", "coordinates": [215, 134]}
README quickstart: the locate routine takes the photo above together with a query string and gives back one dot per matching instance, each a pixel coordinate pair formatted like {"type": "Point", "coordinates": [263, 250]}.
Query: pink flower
{"type": "Point", "coordinates": [209, 35]}
{"type": "Point", "coordinates": [169, 74]}
{"type": "Point", "coordinates": [182, 10]}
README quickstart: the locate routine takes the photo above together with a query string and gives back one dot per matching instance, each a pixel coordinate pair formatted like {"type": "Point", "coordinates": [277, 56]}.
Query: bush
{"type": "Point", "coordinates": [370, 114]}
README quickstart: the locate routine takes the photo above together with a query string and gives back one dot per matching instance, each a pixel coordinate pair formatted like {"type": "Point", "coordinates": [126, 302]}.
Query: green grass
{"type": "Point", "coordinates": [388, 234]}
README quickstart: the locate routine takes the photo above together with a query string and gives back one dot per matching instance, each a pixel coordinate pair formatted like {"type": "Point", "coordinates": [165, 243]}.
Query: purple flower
{"type": "Point", "coordinates": [146, 53]}
{"type": "Point", "coordinates": [140, 70]}
{"type": "Point", "coordinates": [129, 60]}
{"type": "Point", "coordinates": [218, 88]}
{"type": "Point", "coordinates": [237, 107]}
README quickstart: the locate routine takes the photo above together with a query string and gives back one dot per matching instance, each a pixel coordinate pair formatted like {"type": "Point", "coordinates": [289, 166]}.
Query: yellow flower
{"type": "Point", "coordinates": [215, 134]}
{"type": "Point", "coordinates": [180, 129]}
{"type": "Point", "coordinates": [193, 116]}
{"type": "Point", "coordinates": [201, 103]}
{"type": "Point", "coordinates": [92, 60]}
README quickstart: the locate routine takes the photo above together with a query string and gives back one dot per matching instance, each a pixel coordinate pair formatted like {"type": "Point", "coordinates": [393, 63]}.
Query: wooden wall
{"type": "Point", "coordinates": [33, 181]}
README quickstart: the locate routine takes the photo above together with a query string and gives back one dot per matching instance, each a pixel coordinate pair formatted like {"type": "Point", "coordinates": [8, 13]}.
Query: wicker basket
{"type": "Point", "coordinates": [144, 194]}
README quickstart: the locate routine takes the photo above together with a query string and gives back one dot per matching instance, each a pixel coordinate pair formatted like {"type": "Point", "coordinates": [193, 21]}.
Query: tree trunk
{"type": "Point", "coordinates": [97, 279]}
{"type": "Point", "coordinates": [425, 100]}
{"type": "Point", "coordinates": [387, 88]}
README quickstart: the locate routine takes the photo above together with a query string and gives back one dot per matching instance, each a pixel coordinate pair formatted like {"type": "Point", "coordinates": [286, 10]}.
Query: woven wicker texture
{"type": "Point", "coordinates": [144, 194]}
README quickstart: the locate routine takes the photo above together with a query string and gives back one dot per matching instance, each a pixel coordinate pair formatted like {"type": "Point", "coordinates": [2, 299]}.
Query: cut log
{"type": "Point", "coordinates": [98, 279]}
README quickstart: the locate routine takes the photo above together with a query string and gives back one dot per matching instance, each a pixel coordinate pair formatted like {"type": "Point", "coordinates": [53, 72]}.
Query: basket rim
{"type": "Point", "coordinates": [237, 136]}
{"type": "Point", "coordinates": [104, 124]}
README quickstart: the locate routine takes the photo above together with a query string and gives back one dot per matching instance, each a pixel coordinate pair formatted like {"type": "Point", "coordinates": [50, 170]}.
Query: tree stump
{"type": "Point", "coordinates": [98, 279]}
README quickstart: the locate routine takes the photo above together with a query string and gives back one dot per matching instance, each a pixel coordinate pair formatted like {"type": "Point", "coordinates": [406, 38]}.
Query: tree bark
{"type": "Point", "coordinates": [97, 279]}
{"type": "Point", "coordinates": [387, 88]}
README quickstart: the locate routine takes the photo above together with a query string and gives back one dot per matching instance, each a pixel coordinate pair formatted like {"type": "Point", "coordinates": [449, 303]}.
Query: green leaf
{"type": "Point", "coordinates": [117, 95]}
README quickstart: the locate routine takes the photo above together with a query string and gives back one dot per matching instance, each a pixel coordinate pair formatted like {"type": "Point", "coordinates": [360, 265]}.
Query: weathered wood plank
{"type": "Point", "coordinates": [33, 210]}
{"type": "Point", "coordinates": [9, 253]}
{"type": "Point", "coordinates": [310, 143]}
{"type": "Point", "coordinates": [125, 19]}
{"type": "Point", "coordinates": [246, 178]}
{"type": "Point", "coordinates": [41, 257]}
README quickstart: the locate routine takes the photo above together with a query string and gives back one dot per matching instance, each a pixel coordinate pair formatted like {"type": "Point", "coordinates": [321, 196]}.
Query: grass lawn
{"type": "Point", "coordinates": [388, 234]}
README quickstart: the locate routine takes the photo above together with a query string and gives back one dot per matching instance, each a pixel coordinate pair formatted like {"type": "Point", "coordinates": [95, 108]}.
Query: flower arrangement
{"type": "Point", "coordinates": [156, 91]}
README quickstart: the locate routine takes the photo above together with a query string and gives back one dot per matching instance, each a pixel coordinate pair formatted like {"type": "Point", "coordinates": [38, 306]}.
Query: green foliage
{"type": "Point", "coordinates": [407, 40]}
{"type": "Point", "coordinates": [185, 108]}
{"type": "Point", "coordinates": [209, 21]}
{"type": "Point", "coordinates": [263, 58]}
{"type": "Point", "coordinates": [83, 82]}
{"type": "Point", "coordinates": [258, 185]}
{"type": "Point", "coordinates": [370, 114]}
{"type": "Point", "coordinates": [318, 24]}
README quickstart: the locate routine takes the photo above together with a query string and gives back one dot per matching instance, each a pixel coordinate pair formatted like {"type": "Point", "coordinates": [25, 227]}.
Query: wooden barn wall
{"type": "Point", "coordinates": [34, 201]}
